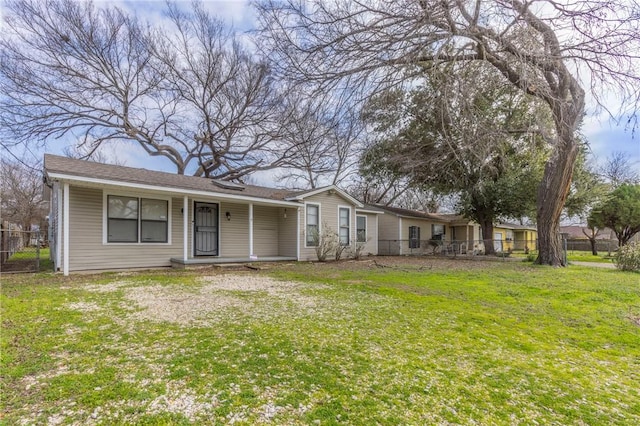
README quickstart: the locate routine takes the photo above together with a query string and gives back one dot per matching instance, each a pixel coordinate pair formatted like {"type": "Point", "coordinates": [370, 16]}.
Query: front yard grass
{"type": "Point", "coordinates": [427, 342]}
{"type": "Point", "coordinates": [587, 256]}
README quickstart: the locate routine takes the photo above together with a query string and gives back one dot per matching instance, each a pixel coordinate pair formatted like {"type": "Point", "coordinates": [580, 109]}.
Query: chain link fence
{"type": "Point", "coordinates": [602, 246]}
{"type": "Point", "coordinates": [502, 248]}
{"type": "Point", "coordinates": [23, 251]}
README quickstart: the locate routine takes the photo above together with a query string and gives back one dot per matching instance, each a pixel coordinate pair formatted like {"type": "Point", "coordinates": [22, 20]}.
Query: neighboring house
{"type": "Point", "coordinates": [511, 236]}
{"type": "Point", "coordinates": [106, 217]}
{"type": "Point", "coordinates": [404, 231]}
{"type": "Point", "coordinates": [574, 232]}
{"type": "Point", "coordinates": [606, 240]}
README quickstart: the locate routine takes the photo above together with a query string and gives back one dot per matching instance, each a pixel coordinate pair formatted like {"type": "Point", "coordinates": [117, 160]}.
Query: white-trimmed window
{"type": "Point", "coordinates": [137, 220]}
{"type": "Point", "coordinates": [509, 234]}
{"type": "Point", "coordinates": [344, 226]}
{"type": "Point", "coordinates": [313, 225]}
{"type": "Point", "coordinates": [361, 229]}
{"type": "Point", "coordinates": [437, 232]}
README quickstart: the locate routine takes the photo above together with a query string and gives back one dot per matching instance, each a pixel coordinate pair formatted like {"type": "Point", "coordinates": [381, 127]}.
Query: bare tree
{"type": "Point", "coordinates": [592, 236]}
{"type": "Point", "coordinates": [21, 194]}
{"type": "Point", "coordinates": [106, 154]}
{"type": "Point", "coordinates": [540, 47]}
{"type": "Point", "coordinates": [322, 136]}
{"type": "Point", "coordinates": [618, 170]}
{"type": "Point", "coordinates": [188, 91]}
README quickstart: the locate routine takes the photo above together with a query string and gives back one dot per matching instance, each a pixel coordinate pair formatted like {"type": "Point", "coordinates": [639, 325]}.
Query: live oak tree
{"type": "Point", "coordinates": [186, 89]}
{"type": "Point", "coordinates": [463, 139]}
{"type": "Point", "coordinates": [539, 47]}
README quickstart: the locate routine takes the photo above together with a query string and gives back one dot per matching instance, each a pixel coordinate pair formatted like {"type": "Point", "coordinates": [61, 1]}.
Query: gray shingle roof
{"type": "Point", "coordinates": [412, 213]}
{"type": "Point", "coordinates": [110, 172]}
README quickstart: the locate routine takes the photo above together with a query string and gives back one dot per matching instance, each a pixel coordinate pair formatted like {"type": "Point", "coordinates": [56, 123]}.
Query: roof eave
{"type": "Point", "coordinates": [176, 190]}
{"type": "Point", "coordinates": [302, 196]}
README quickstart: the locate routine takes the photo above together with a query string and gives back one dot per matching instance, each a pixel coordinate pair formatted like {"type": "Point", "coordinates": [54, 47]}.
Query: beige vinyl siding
{"type": "Point", "coordinates": [287, 236]}
{"type": "Point", "coordinates": [86, 248]}
{"type": "Point", "coordinates": [234, 233]}
{"type": "Point", "coordinates": [425, 234]}
{"type": "Point", "coordinates": [388, 226]}
{"type": "Point", "coordinates": [265, 231]}
{"type": "Point", "coordinates": [370, 247]}
{"type": "Point", "coordinates": [329, 204]}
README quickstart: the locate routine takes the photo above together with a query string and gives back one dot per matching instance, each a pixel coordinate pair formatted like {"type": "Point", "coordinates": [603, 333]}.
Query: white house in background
{"type": "Point", "coordinates": [107, 217]}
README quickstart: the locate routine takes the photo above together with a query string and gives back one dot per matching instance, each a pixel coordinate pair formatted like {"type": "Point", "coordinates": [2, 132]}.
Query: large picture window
{"type": "Point", "coordinates": [137, 220]}
{"type": "Point", "coordinates": [361, 229]}
{"type": "Point", "coordinates": [344, 225]}
{"type": "Point", "coordinates": [313, 228]}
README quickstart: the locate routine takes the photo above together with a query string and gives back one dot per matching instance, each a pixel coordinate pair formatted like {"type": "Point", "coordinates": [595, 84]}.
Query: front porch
{"type": "Point", "coordinates": [179, 263]}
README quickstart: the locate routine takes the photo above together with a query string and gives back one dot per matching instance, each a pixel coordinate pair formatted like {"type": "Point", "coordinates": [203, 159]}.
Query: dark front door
{"type": "Point", "coordinates": [205, 228]}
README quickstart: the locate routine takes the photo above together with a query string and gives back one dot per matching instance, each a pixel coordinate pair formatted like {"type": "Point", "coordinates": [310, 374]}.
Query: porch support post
{"type": "Point", "coordinates": [185, 228]}
{"type": "Point", "coordinates": [250, 229]}
{"type": "Point", "coordinates": [59, 220]}
{"type": "Point", "coordinates": [65, 229]}
{"type": "Point", "coordinates": [400, 234]}
{"type": "Point", "coordinates": [298, 233]}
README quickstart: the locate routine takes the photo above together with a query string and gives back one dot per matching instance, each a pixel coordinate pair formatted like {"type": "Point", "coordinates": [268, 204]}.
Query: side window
{"type": "Point", "coordinates": [437, 232]}
{"type": "Point", "coordinates": [361, 229]}
{"type": "Point", "coordinates": [414, 237]}
{"type": "Point", "coordinates": [344, 224]}
{"type": "Point", "coordinates": [313, 228]}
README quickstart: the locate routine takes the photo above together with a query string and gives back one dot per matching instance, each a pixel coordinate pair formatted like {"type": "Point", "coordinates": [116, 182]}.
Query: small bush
{"type": "Point", "coordinates": [628, 257]}
{"type": "Point", "coordinates": [325, 243]}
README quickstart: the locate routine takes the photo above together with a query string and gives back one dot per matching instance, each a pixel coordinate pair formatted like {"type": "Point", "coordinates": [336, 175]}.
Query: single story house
{"type": "Point", "coordinates": [511, 236]}
{"type": "Point", "coordinates": [405, 231]}
{"type": "Point", "coordinates": [106, 217]}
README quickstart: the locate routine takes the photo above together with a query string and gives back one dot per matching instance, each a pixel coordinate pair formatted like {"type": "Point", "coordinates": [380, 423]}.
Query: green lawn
{"type": "Point", "coordinates": [25, 260]}
{"type": "Point", "coordinates": [437, 342]}
{"type": "Point", "coordinates": [586, 256]}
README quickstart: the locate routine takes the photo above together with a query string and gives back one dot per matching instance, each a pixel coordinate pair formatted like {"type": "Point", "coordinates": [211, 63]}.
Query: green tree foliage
{"type": "Point", "coordinates": [470, 140]}
{"type": "Point", "coordinates": [620, 212]}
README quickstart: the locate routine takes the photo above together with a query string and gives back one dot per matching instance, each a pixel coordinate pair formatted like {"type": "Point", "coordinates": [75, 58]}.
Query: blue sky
{"type": "Point", "coordinates": [604, 135]}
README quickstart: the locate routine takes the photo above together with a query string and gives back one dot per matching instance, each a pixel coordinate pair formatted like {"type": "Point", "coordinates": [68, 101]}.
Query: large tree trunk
{"type": "Point", "coordinates": [487, 235]}
{"type": "Point", "coordinates": [552, 194]}
{"type": "Point", "coordinates": [594, 247]}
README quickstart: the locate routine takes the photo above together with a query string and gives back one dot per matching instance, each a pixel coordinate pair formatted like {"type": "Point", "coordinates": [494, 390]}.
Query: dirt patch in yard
{"type": "Point", "coordinates": [217, 295]}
